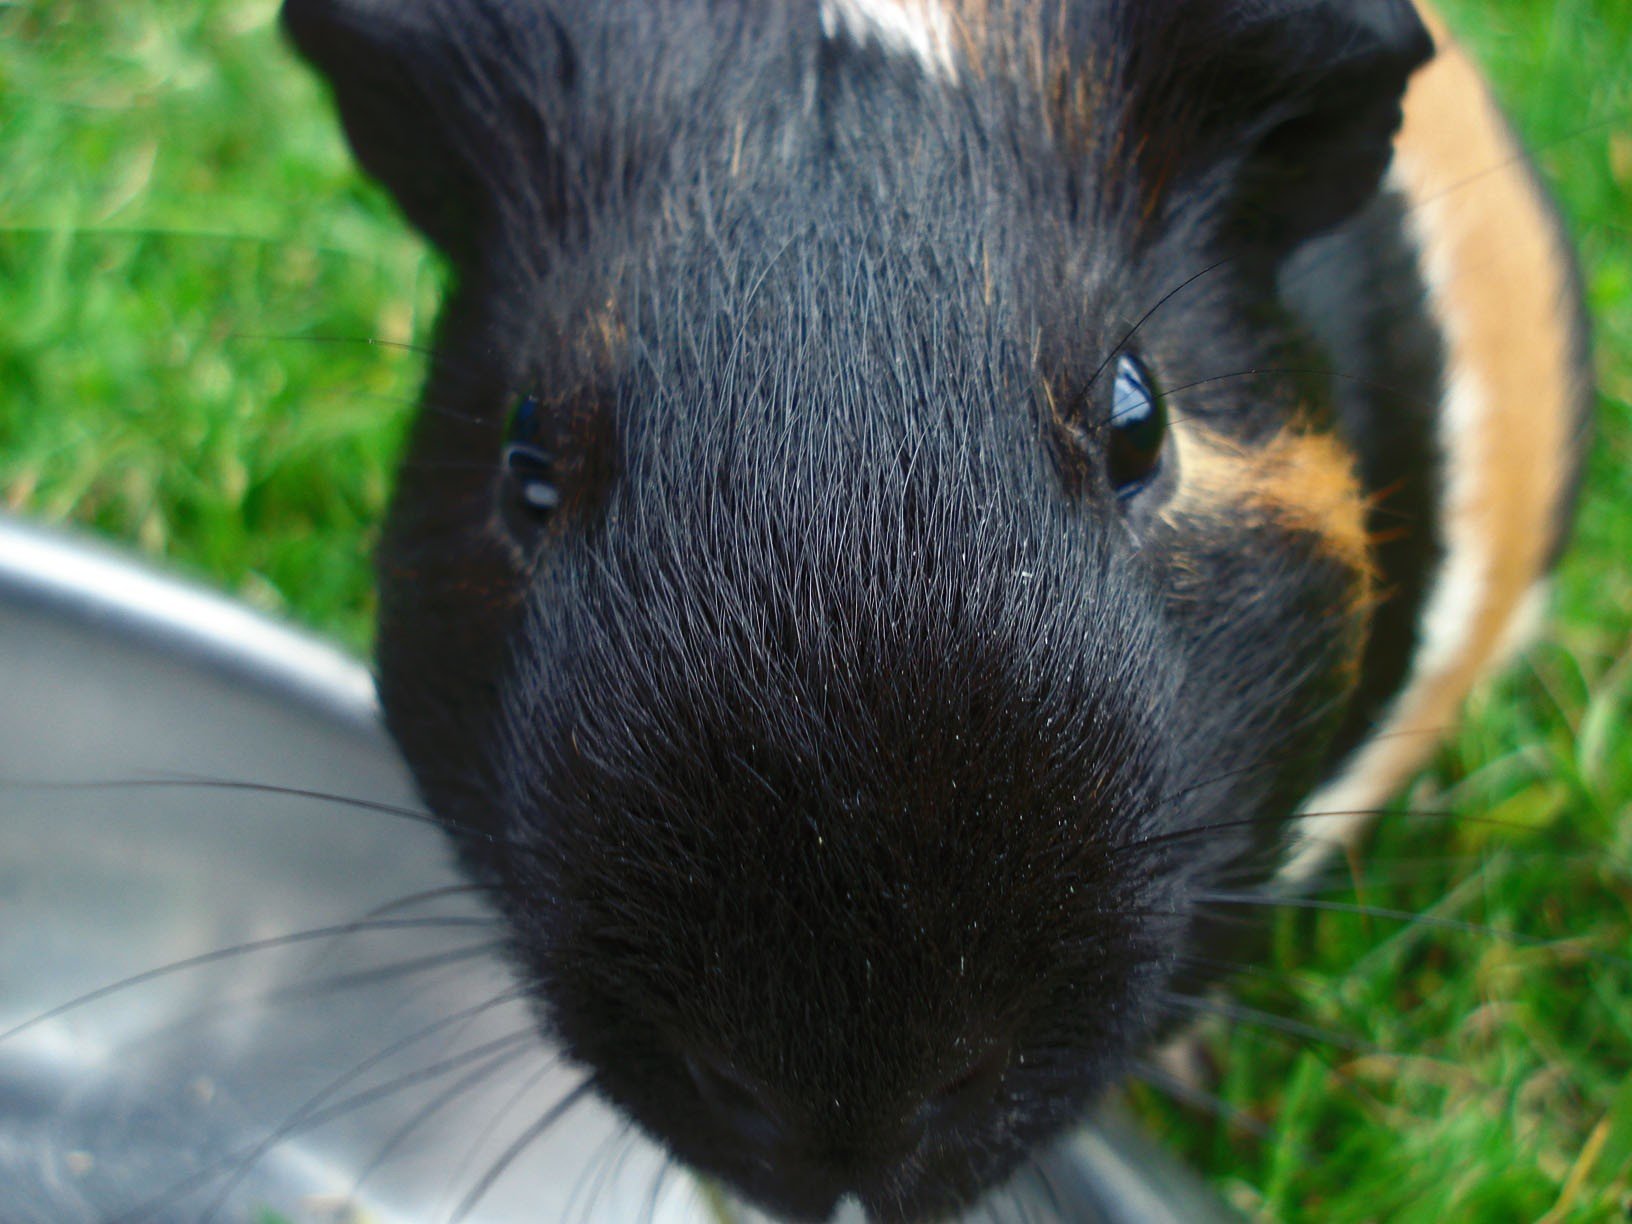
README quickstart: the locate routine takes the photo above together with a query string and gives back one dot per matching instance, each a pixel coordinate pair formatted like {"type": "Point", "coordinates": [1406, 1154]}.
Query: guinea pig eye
{"type": "Point", "coordinates": [1138, 428]}
{"type": "Point", "coordinates": [529, 469]}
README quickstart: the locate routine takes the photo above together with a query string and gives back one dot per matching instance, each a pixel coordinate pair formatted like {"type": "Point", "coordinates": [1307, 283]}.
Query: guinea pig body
{"type": "Point", "coordinates": [912, 497]}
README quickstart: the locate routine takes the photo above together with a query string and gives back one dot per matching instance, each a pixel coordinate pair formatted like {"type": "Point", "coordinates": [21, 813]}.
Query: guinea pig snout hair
{"type": "Point", "coordinates": [824, 581]}
{"type": "Point", "coordinates": [822, 584]}
{"type": "Point", "coordinates": [820, 689]}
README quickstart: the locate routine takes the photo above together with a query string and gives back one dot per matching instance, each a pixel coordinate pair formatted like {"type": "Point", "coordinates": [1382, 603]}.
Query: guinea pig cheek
{"type": "Point", "coordinates": [1300, 484]}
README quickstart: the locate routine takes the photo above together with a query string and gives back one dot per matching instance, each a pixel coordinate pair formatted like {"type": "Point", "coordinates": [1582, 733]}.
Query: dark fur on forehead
{"type": "Point", "coordinates": [487, 118]}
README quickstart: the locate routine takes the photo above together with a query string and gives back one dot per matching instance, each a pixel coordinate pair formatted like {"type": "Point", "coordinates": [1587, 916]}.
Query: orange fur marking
{"type": "Point", "coordinates": [1299, 482]}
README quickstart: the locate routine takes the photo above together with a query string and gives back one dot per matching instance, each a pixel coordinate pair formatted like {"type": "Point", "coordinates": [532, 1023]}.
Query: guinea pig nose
{"type": "Point", "coordinates": [737, 1102]}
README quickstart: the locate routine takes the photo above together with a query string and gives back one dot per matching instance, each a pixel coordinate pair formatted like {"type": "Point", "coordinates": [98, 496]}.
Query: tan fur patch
{"type": "Point", "coordinates": [1301, 482]}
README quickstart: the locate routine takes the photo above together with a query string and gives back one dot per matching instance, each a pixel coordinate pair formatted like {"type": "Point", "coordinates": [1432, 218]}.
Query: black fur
{"type": "Point", "coordinates": [839, 733]}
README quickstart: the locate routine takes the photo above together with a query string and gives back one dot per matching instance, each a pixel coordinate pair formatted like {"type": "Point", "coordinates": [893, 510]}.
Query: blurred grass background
{"type": "Point", "coordinates": [200, 313]}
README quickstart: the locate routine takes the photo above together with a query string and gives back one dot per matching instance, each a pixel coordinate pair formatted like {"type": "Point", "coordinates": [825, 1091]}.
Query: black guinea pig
{"type": "Point", "coordinates": [916, 498]}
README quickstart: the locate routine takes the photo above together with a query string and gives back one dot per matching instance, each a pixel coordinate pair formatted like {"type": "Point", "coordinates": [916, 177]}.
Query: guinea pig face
{"type": "Point", "coordinates": [844, 589]}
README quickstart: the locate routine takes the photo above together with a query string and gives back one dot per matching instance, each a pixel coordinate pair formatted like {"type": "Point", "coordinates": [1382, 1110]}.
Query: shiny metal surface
{"type": "Point", "coordinates": [377, 1062]}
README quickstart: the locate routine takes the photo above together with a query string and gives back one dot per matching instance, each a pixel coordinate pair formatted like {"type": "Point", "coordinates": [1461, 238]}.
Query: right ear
{"type": "Point", "coordinates": [1271, 120]}
{"type": "Point", "coordinates": [456, 106]}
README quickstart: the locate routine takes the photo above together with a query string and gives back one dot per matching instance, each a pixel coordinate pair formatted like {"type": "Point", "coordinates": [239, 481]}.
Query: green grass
{"type": "Point", "coordinates": [190, 267]}
{"type": "Point", "coordinates": [190, 270]}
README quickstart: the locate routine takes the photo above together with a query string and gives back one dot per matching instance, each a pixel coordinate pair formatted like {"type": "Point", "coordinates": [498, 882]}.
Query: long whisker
{"type": "Point", "coordinates": [415, 900]}
{"type": "Point", "coordinates": [298, 1119]}
{"type": "Point", "coordinates": [243, 949]}
{"type": "Point", "coordinates": [587, 1171]}
{"type": "Point", "coordinates": [496, 1119]}
{"type": "Point", "coordinates": [1443, 193]}
{"type": "Point", "coordinates": [1525, 156]}
{"type": "Point", "coordinates": [409, 902]}
{"type": "Point", "coordinates": [321, 987]}
{"type": "Point", "coordinates": [361, 1100]}
{"type": "Point", "coordinates": [1146, 317]}
{"type": "Point", "coordinates": [241, 786]}
{"type": "Point", "coordinates": [1266, 760]}
{"type": "Point", "coordinates": [1370, 384]}
{"type": "Point", "coordinates": [1398, 871]}
{"type": "Point", "coordinates": [231, 785]}
{"type": "Point", "coordinates": [457, 1089]}
{"type": "Point", "coordinates": [1159, 840]}
{"type": "Point", "coordinates": [405, 346]}
{"type": "Point", "coordinates": [605, 1166]}
{"type": "Point", "coordinates": [1199, 1098]}
{"type": "Point", "coordinates": [1283, 1025]}
{"type": "Point", "coordinates": [382, 973]}
{"type": "Point", "coordinates": [511, 1154]}
{"type": "Point", "coordinates": [653, 1196]}
{"type": "Point", "coordinates": [1171, 798]}
{"type": "Point", "coordinates": [1506, 163]}
{"type": "Point", "coordinates": [1430, 921]}
{"type": "Point", "coordinates": [1039, 1168]}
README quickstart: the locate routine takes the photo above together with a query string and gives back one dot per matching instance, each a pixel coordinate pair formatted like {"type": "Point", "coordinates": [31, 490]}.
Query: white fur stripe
{"type": "Point", "coordinates": [921, 29]}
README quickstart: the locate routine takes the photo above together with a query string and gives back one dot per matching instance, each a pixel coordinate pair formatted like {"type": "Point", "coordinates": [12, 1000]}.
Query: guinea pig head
{"type": "Point", "coordinates": [846, 592]}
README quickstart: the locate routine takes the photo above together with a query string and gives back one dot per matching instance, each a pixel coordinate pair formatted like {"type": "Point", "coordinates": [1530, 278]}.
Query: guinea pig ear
{"type": "Point", "coordinates": [1276, 115]}
{"type": "Point", "coordinates": [449, 104]}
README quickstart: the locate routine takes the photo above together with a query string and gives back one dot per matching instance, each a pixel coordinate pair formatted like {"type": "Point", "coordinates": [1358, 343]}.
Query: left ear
{"type": "Point", "coordinates": [461, 108]}
{"type": "Point", "coordinates": [1277, 117]}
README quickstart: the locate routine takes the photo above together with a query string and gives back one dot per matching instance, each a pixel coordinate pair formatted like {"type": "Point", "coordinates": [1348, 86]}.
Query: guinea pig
{"type": "Point", "coordinates": [913, 497]}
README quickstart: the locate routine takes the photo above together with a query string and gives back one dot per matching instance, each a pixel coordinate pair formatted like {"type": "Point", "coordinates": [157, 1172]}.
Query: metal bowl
{"type": "Point", "coordinates": [237, 982]}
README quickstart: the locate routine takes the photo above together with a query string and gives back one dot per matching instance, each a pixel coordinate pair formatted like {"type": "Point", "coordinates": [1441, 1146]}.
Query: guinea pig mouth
{"type": "Point", "coordinates": [919, 1179]}
{"type": "Point", "coordinates": [933, 1190]}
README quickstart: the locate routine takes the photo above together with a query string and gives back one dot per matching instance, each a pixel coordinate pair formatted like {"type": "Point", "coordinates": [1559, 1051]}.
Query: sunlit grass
{"type": "Point", "coordinates": [190, 273]}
